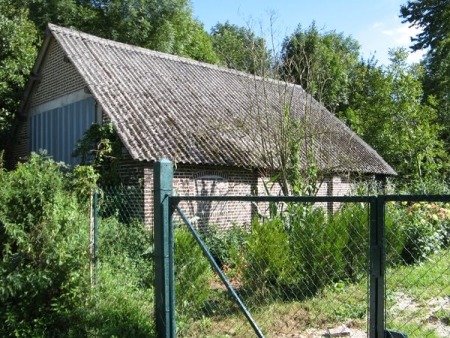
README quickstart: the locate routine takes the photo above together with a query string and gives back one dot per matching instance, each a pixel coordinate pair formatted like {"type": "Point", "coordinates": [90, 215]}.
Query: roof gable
{"type": "Point", "coordinates": [167, 106]}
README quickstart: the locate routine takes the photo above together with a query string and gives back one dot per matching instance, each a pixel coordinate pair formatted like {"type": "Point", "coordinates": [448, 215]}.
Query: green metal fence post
{"type": "Point", "coordinates": [95, 235]}
{"type": "Point", "coordinates": [377, 266]}
{"type": "Point", "coordinates": [163, 244]}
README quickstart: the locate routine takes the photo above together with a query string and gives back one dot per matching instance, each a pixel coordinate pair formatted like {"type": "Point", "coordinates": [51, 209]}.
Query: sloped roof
{"type": "Point", "coordinates": [191, 112]}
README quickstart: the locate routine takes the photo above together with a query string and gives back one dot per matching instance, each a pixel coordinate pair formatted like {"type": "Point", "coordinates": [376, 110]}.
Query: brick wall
{"type": "Point", "coordinates": [53, 85]}
{"type": "Point", "coordinates": [191, 180]}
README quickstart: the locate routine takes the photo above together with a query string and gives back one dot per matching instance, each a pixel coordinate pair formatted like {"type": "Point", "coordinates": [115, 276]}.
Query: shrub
{"type": "Point", "coordinates": [425, 229]}
{"type": "Point", "coordinates": [44, 266]}
{"type": "Point", "coordinates": [226, 245]}
{"type": "Point", "coordinates": [352, 221]}
{"type": "Point", "coordinates": [267, 265]}
{"type": "Point", "coordinates": [296, 254]}
{"type": "Point", "coordinates": [193, 274]}
{"type": "Point", "coordinates": [43, 242]}
{"type": "Point", "coordinates": [119, 306]}
{"type": "Point", "coordinates": [317, 246]}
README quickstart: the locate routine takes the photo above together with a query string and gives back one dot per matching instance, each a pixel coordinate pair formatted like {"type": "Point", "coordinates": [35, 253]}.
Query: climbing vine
{"type": "Point", "coordinates": [101, 148]}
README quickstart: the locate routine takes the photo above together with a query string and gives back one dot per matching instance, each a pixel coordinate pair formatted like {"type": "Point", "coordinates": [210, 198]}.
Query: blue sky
{"type": "Point", "coordinates": [373, 23]}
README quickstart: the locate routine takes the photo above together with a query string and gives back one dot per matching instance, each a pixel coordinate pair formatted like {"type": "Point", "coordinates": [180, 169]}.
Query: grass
{"type": "Point", "coordinates": [418, 303]}
{"type": "Point", "coordinates": [418, 297]}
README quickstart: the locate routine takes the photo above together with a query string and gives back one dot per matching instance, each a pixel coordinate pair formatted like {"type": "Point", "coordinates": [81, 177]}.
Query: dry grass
{"type": "Point", "coordinates": [418, 301]}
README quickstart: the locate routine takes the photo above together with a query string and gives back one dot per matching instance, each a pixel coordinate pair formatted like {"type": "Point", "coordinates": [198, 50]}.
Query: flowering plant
{"type": "Point", "coordinates": [426, 229]}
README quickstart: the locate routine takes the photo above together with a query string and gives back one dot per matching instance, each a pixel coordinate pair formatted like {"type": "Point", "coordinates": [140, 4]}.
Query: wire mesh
{"type": "Point", "coordinates": [124, 289]}
{"type": "Point", "coordinates": [299, 269]}
{"type": "Point", "coordinates": [418, 267]}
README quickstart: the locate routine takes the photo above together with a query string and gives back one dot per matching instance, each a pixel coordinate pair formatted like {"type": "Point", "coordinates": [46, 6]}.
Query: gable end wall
{"type": "Point", "coordinates": [59, 77]}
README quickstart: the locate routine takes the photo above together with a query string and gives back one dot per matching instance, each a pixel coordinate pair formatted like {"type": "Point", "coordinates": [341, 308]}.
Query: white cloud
{"type": "Point", "coordinates": [378, 24]}
{"type": "Point", "coordinates": [386, 34]}
{"type": "Point", "coordinates": [416, 56]}
{"type": "Point", "coordinates": [402, 34]}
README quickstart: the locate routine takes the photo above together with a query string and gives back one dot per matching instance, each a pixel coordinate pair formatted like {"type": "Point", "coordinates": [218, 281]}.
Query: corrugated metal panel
{"type": "Point", "coordinates": [58, 130]}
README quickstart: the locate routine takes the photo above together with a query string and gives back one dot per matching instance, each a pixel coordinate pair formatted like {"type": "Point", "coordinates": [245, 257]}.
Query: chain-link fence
{"type": "Point", "coordinates": [298, 269]}
{"type": "Point", "coordinates": [418, 265]}
{"type": "Point", "coordinates": [124, 274]}
{"type": "Point", "coordinates": [301, 272]}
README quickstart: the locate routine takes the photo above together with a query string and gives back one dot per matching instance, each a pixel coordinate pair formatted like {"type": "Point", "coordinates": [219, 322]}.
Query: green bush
{"type": "Point", "coordinates": [131, 241]}
{"type": "Point", "coordinates": [226, 245]}
{"type": "Point", "coordinates": [424, 227]}
{"type": "Point", "coordinates": [44, 266]}
{"type": "Point", "coordinates": [193, 274]}
{"type": "Point", "coordinates": [269, 271]}
{"type": "Point", "coordinates": [296, 254]}
{"type": "Point", "coordinates": [352, 221]}
{"type": "Point", "coordinates": [317, 245]}
{"type": "Point", "coordinates": [119, 306]}
{"type": "Point", "coordinates": [44, 245]}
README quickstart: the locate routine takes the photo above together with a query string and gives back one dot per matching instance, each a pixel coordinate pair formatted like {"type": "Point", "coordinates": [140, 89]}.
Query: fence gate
{"type": "Point", "coordinates": [293, 269]}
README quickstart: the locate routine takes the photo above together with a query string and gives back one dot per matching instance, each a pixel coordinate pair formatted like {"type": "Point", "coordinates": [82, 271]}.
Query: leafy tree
{"type": "Point", "coordinates": [432, 17]}
{"type": "Point", "coordinates": [321, 63]}
{"type": "Point", "coordinates": [387, 111]}
{"type": "Point", "coordinates": [239, 48]}
{"type": "Point", "coordinates": [18, 40]}
{"type": "Point", "coordinates": [166, 26]}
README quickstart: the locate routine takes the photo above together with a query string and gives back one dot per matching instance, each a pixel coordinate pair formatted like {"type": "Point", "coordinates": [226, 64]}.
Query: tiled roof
{"type": "Point", "coordinates": [191, 112]}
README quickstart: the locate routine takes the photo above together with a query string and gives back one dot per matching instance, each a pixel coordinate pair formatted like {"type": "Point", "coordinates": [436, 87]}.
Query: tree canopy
{"type": "Point", "coordinates": [321, 62]}
{"type": "Point", "coordinates": [433, 18]}
{"type": "Point", "coordinates": [387, 111]}
{"type": "Point", "coordinates": [18, 40]}
{"type": "Point", "coordinates": [239, 48]}
{"type": "Point", "coordinates": [167, 26]}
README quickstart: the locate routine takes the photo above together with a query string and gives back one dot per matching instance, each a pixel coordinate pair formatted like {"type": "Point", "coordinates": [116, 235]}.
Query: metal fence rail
{"type": "Point", "coordinates": [377, 266]}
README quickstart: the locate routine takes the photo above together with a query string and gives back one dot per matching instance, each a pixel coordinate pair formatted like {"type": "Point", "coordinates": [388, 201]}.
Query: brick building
{"type": "Point", "coordinates": [219, 126]}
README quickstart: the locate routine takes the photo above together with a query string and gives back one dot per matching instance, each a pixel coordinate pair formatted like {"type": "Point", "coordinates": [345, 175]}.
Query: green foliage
{"type": "Point", "coordinates": [193, 273]}
{"type": "Point", "coordinates": [118, 306]}
{"type": "Point", "coordinates": [44, 266]}
{"type": "Point", "coordinates": [18, 40]}
{"type": "Point", "coordinates": [425, 228]}
{"type": "Point", "coordinates": [166, 26]}
{"type": "Point", "coordinates": [296, 255]}
{"type": "Point", "coordinates": [84, 178]}
{"type": "Point", "coordinates": [226, 245]}
{"type": "Point", "coordinates": [267, 258]}
{"type": "Point", "coordinates": [239, 48]}
{"type": "Point", "coordinates": [121, 303]}
{"type": "Point", "coordinates": [352, 223]}
{"type": "Point", "coordinates": [432, 17]}
{"type": "Point", "coordinates": [317, 245]}
{"type": "Point", "coordinates": [386, 110]}
{"type": "Point", "coordinates": [321, 62]}
{"type": "Point", "coordinates": [127, 246]}
{"type": "Point", "coordinates": [100, 147]}
{"type": "Point", "coordinates": [43, 251]}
